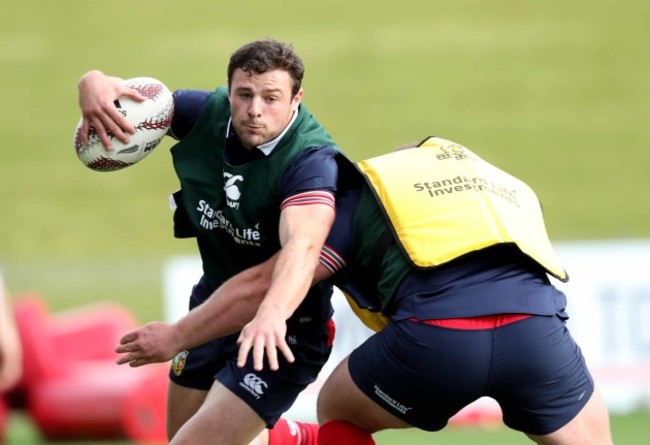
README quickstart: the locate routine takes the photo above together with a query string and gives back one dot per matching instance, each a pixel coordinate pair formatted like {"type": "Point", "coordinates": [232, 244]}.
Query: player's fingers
{"type": "Point", "coordinates": [129, 337]}
{"type": "Point", "coordinates": [121, 349]}
{"type": "Point", "coordinates": [244, 349]}
{"type": "Point", "coordinates": [118, 122]}
{"type": "Point", "coordinates": [128, 358]}
{"type": "Point", "coordinates": [132, 94]}
{"type": "Point", "coordinates": [111, 126]}
{"type": "Point", "coordinates": [286, 351]}
{"type": "Point", "coordinates": [272, 357]}
{"type": "Point", "coordinates": [85, 127]}
{"type": "Point", "coordinates": [259, 348]}
{"type": "Point", "coordinates": [100, 129]}
{"type": "Point", "coordinates": [141, 361]}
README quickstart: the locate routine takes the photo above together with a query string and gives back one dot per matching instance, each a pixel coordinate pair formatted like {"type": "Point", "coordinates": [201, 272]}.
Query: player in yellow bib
{"type": "Point", "coordinates": [448, 259]}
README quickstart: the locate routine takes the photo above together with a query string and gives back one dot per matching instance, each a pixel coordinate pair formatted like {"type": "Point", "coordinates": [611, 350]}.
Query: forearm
{"type": "Point", "coordinates": [292, 277]}
{"type": "Point", "coordinates": [303, 235]}
{"type": "Point", "coordinates": [228, 309]}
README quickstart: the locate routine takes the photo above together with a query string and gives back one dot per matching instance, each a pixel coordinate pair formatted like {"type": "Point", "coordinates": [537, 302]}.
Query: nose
{"type": "Point", "coordinates": [255, 107]}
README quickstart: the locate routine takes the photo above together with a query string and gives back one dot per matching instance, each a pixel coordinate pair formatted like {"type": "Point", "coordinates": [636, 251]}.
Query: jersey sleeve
{"type": "Point", "coordinates": [311, 178]}
{"type": "Point", "coordinates": [188, 106]}
{"type": "Point", "coordinates": [337, 252]}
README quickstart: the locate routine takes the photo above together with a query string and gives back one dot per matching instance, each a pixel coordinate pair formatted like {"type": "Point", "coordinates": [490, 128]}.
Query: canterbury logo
{"type": "Point", "coordinates": [232, 191]}
{"type": "Point", "coordinates": [253, 384]}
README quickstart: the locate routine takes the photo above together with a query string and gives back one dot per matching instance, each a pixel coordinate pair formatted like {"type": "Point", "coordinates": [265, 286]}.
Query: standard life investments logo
{"type": "Point", "coordinates": [212, 219]}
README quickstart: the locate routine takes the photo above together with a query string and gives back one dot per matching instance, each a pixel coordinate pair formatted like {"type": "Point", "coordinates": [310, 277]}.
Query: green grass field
{"type": "Point", "coordinates": [555, 92]}
{"type": "Point", "coordinates": [627, 430]}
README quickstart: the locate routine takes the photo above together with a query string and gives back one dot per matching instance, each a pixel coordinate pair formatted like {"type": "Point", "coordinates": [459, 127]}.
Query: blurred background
{"type": "Point", "coordinates": [554, 92]}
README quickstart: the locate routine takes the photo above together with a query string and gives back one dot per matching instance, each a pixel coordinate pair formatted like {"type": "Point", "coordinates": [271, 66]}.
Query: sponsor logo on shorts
{"type": "Point", "coordinates": [393, 403]}
{"type": "Point", "coordinates": [254, 385]}
{"type": "Point", "coordinates": [179, 362]}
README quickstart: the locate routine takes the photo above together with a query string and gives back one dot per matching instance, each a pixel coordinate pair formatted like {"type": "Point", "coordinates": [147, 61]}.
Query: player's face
{"type": "Point", "coordinates": [261, 105]}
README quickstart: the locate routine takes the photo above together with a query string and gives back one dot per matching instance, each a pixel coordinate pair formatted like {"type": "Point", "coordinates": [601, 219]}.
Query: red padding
{"type": "Point", "coordinates": [91, 332]}
{"type": "Point", "coordinates": [41, 358]}
{"type": "Point", "coordinates": [103, 401]}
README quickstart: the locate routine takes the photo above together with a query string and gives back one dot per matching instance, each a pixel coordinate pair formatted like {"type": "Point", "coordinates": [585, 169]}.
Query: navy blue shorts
{"type": "Point", "coordinates": [425, 374]}
{"type": "Point", "coordinates": [268, 393]}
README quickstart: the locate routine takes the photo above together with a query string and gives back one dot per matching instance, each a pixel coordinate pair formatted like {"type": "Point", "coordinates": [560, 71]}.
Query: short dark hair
{"type": "Point", "coordinates": [265, 55]}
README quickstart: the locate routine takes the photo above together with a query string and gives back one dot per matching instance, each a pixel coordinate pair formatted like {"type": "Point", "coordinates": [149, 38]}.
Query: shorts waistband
{"type": "Point", "coordinates": [474, 323]}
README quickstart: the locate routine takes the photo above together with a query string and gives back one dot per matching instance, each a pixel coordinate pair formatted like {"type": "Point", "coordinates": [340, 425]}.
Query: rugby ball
{"type": "Point", "coordinates": [151, 119]}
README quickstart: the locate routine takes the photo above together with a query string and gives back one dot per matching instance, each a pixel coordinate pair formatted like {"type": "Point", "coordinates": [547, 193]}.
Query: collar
{"type": "Point", "coordinates": [268, 147]}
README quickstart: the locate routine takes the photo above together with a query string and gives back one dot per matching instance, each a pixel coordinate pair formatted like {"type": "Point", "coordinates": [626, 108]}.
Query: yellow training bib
{"type": "Point", "coordinates": [444, 201]}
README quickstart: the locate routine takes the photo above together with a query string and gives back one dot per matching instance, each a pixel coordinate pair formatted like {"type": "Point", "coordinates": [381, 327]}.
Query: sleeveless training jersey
{"type": "Point", "coordinates": [234, 210]}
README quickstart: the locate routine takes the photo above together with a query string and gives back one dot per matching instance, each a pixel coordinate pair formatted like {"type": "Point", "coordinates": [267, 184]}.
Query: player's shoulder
{"type": "Point", "coordinates": [317, 153]}
{"type": "Point", "coordinates": [188, 105]}
{"type": "Point", "coordinates": [317, 160]}
{"type": "Point", "coordinates": [191, 98]}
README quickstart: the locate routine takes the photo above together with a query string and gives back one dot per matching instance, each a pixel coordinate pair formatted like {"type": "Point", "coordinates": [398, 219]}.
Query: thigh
{"type": "Point", "coordinates": [589, 427]}
{"type": "Point", "coordinates": [268, 393]}
{"type": "Point", "coordinates": [224, 418]}
{"type": "Point", "coordinates": [540, 377]}
{"type": "Point", "coordinates": [341, 399]}
{"type": "Point", "coordinates": [271, 393]}
{"type": "Point", "coordinates": [182, 404]}
{"type": "Point", "coordinates": [423, 374]}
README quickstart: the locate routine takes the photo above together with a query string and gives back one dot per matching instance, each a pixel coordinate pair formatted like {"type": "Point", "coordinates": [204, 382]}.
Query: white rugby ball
{"type": "Point", "coordinates": [151, 119]}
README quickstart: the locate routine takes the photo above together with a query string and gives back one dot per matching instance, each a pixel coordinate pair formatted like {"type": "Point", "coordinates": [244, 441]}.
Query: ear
{"type": "Point", "coordinates": [295, 101]}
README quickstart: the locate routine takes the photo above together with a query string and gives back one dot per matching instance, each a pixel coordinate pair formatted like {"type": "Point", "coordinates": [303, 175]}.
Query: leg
{"type": "Point", "coordinates": [340, 399]}
{"type": "Point", "coordinates": [554, 400]}
{"type": "Point", "coordinates": [261, 439]}
{"type": "Point", "coordinates": [223, 418]}
{"type": "Point", "coordinates": [589, 427]}
{"type": "Point", "coordinates": [182, 404]}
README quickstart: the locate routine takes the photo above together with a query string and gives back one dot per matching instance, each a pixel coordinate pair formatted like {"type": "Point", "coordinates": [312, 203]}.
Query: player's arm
{"type": "Point", "coordinates": [98, 92]}
{"type": "Point", "coordinates": [283, 280]}
{"type": "Point", "coordinates": [305, 222]}
{"type": "Point", "coordinates": [225, 312]}
{"type": "Point", "coordinates": [303, 231]}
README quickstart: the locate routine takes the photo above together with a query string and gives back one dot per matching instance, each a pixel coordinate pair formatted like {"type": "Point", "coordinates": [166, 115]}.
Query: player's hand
{"type": "Point", "coordinates": [152, 343]}
{"type": "Point", "coordinates": [97, 96]}
{"type": "Point", "coordinates": [264, 334]}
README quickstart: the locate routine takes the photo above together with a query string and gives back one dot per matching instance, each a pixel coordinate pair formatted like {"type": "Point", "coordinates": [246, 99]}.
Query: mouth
{"type": "Point", "coordinates": [253, 126]}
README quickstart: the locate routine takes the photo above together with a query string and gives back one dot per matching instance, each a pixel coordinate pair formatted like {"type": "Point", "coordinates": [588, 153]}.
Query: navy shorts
{"type": "Point", "coordinates": [425, 374]}
{"type": "Point", "coordinates": [268, 393]}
